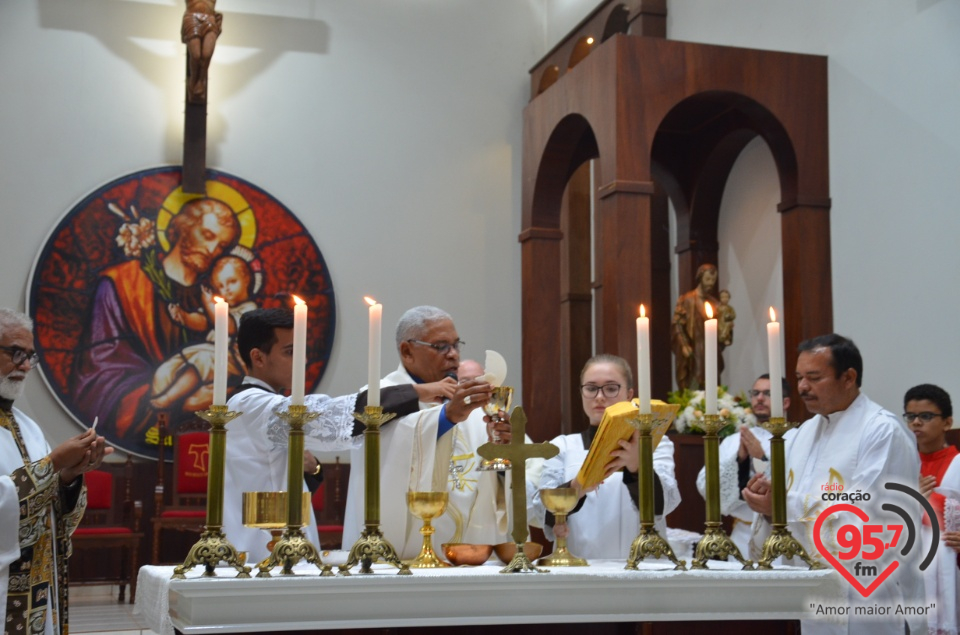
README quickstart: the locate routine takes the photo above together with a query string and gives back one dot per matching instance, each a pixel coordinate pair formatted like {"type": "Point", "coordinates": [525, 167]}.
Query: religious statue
{"type": "Point", "coordinates": [725, 319]}
{"type": "Point", "coordinates": [687, 333]}
{"type": "Point", "coordinates": [199, 31]}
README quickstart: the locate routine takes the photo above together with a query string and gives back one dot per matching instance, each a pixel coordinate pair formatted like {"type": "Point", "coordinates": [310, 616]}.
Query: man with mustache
{"type": "Point", "coordinates": [131, 331]}
{"type": "Point", "coordinates": [42, 495]}
{"type": "Point", "coordinates": [850, 446]}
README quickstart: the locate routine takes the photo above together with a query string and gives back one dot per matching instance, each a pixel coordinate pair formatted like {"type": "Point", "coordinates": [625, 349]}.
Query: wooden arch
{"type": "Point", "coordinates": [662, 118]}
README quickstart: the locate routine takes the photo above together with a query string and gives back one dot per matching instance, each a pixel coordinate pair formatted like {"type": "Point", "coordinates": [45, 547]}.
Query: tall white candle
{"type": "Point", "coordinates": [299, 351]}
{"type": "Point", "coordinates": [773, 357]}
{"type": "Point", "coordinates": [643, 361]}
{"type": "Point", "coordinates": [221, 338]}
{"type": "Point", "coordinates": [710, 359]}
{"type": "Point", "coordinates": [373, 353]}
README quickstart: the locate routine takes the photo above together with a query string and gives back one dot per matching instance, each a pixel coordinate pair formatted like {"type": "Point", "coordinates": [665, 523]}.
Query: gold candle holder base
{"type": "Point", "coordinates": [716, 544]}
{"type": "Point", "coordinates": [426, 506]}
{"type": "Point", "coordinates": [213, 547]}
{"type": "Point", "coordinates": [294, 545]}
{"type": "Point", "coordinates": [780, 542]}
{"type": "Point", "coordinates": [372, 547]}
{"type": "Point", "coordinates": [650, 543]}
{"type": "Point", "coordinates": [521, 563]}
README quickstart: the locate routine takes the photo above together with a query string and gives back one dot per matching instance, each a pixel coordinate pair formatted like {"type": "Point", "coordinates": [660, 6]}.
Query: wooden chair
{"type": "Point", "coordinates": [111, 523]}
{"type": "Point", "coordinates": [187, 510]}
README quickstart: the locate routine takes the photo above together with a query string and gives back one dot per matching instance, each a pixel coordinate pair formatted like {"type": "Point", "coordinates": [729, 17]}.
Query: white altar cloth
{"type": "Point", "coordinates": [602, 592]}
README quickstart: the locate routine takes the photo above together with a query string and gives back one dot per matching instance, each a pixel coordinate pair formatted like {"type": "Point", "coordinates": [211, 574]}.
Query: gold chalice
{"type": "Point", "coordinates": [426, 506]}
{"type": "Point", "coordinates": [560, 501]}
{"type": "Point", "coordinates": [500, 399]}
{"type": "Point", "coordinates": [268, 511]}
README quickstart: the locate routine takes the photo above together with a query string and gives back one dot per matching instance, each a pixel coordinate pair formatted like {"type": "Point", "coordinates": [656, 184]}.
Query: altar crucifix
{"type": "Point", "coordinates": [517, 452]}
{"type": "Point", "coordinates": [199, 30]}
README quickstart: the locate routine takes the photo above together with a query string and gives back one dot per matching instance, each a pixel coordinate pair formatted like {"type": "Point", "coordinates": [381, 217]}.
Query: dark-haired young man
{"type": "Point", "coordinates": [256, 457]}
{"type": "Point", "coordinates": [928, 412]}
{"type": "Point", "coordinates": [852, 446]}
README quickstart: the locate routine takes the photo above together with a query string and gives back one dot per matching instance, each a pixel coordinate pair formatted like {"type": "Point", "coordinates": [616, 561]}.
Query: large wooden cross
{"type": "Point", "coordinates": [518, 451]}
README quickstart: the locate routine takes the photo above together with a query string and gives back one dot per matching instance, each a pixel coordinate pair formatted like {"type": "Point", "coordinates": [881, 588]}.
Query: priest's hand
{"type": "Point", "coordinates": [626, 456]}
{"type": "Point", "coordinates": [952, 540]}
{"type": "Point", "coordinates": [749, 445]}
{"type": "Point", "coordinates": [436, 392]}
{"type": "Point", "coordinates": [80, 454]}
{"type": "Point", "coordinates": [927, 483]}
{"type": "Point", "coordinates": [499, 430]}
{"type": "Point", "coordinates": [758, 495]}
{"type": "Point", "coordinates": [467, 397]}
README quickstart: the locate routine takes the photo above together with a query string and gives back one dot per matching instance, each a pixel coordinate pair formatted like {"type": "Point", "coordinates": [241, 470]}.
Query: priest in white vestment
{"type": "Point", "coordinates": [743, 454]}
{"type": "Point", "coordinates": [606, 521]}
{"type": "Point", "coordinates": [851, 446]}
{"type": "Point", "coordinates": [257, 440]}
{"type": "Point", "coordinates": [433, 449]}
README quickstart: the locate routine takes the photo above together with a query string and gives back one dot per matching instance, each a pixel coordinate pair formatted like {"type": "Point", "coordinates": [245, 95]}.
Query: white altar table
{"type": "Point", "coordinates": [602, 592]}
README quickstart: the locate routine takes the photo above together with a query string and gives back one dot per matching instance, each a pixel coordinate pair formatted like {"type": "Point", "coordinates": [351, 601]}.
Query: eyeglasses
{"type": "Point", "coordinates": [442, 348]}
{"type": "Point", "coordinates": [609, 390]}
{"type": "Point", "coordinates": [757, 393]}
{"type": "Point", "coordinates": [19, 355]}
{"type": "Point", "coordinates": [925, 417]}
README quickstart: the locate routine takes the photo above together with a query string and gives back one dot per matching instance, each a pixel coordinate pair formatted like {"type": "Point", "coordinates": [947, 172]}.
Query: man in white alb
{"type": "Point", "coordinates": [851, 445]}
{"type": "Point", "coordinates": [435, 448]}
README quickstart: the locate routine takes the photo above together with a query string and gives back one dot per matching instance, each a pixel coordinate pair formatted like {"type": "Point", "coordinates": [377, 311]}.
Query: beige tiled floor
{"type": "Point", "coordinates": [95, 610]}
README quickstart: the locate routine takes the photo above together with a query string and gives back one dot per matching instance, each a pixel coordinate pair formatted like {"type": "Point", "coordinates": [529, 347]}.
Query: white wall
{"type": "Point", "coordinates": [393, 130]}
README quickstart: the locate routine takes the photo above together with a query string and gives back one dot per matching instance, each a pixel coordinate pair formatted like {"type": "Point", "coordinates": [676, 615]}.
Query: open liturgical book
{"type": "Point", "coordinates": [614, 427]}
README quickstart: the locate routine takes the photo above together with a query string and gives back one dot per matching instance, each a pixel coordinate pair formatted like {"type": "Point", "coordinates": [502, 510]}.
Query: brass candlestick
{"type": "Point", "coordinates": [213, 547]}
{"type": "Point", "coordinates": [715, 542]}
{"type": "Point", "coordinates": [560, 501]}
{"type": "Point", "coordinates": [500, 399]}
{"type": "Point", "coordinates": [648, 542]}
{"type": "Point", "coordinates": [294, 545]}
{"type": "Point", "coordinates": [426, 506]}
{"type": "Point", "coordinates": [372, 547]}
{"type": "Point", "coordinates": [780, 542]}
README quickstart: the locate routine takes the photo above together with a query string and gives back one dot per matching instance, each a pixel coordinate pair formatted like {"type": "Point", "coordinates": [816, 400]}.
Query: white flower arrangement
{"type": "Point", "coordinates": [735, 410]}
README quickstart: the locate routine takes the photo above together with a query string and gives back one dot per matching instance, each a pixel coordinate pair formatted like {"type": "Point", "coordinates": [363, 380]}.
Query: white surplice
{"type": "Point", "coordinates": [859, 449]}
{"type": "Point", "coordinates": [412, 458]}
{"type": "Point", "coordinates": [608, 522]}
{"type": "Point", "coordinates": [942, 577]}
{"type": "Point", "coordinates": [257, 452]}
{"type": "Point", "coordinates": [9, 543]}
{"type": "Point", "coordinates": [731, 503]}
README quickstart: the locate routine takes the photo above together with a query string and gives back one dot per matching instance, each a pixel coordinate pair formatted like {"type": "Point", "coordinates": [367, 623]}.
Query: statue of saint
{"type": "Point", "coordinates": [727, 315]}
{"type": "Point", "coordinates": [199, 31]}
{"type": "Point", "coordinates": [688, 332]}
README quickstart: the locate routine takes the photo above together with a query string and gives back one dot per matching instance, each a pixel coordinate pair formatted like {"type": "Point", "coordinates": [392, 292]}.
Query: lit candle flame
{"type": "Point", "coordinates": [218, 299]}
{"type": "Point", "coordinates": [708, 309]}
{"type": "Point", "coordinates": [773, 315]}
{"type": "Point", "coordinates": [643, 311]}
{"type": "Point", "coordinates": [297, 300]}
{"type": "Point", "coordinates": [369, 300]}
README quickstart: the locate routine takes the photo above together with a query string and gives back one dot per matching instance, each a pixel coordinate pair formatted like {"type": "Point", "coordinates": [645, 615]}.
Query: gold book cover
{"type": "Point", "coordinates": [614, 427]}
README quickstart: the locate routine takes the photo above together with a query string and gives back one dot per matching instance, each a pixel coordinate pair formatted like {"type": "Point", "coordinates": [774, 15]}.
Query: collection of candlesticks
{"type": "Point", "coordinates": [213, 547]}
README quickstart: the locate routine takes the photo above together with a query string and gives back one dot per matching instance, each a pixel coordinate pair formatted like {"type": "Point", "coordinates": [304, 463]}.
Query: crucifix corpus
{"type": "Point", "coordinates": [517, 452]}
{"type": "Point", "coordinates": [199, 30]}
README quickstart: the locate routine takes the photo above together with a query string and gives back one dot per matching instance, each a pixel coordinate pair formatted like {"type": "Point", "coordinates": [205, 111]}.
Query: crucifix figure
{"type": "Point", "coordinates": [199, 30]}
{"type": "Point", "coordinates": [517, 452]}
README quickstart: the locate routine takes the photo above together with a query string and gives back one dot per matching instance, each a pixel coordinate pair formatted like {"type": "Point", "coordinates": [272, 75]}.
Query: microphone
{"type": "Point", "coordinates": [452, 375]}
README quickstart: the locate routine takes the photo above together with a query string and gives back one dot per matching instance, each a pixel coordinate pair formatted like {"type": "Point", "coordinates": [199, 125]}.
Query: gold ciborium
{"type": "Point", "coordinates": [268, 511]}
{"type": "Point", "coordinates": [500, 399]}
{"type": "Point", "coordinates": [426, 506]}
{"type": "Point", "coordinates": [560, 501]}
